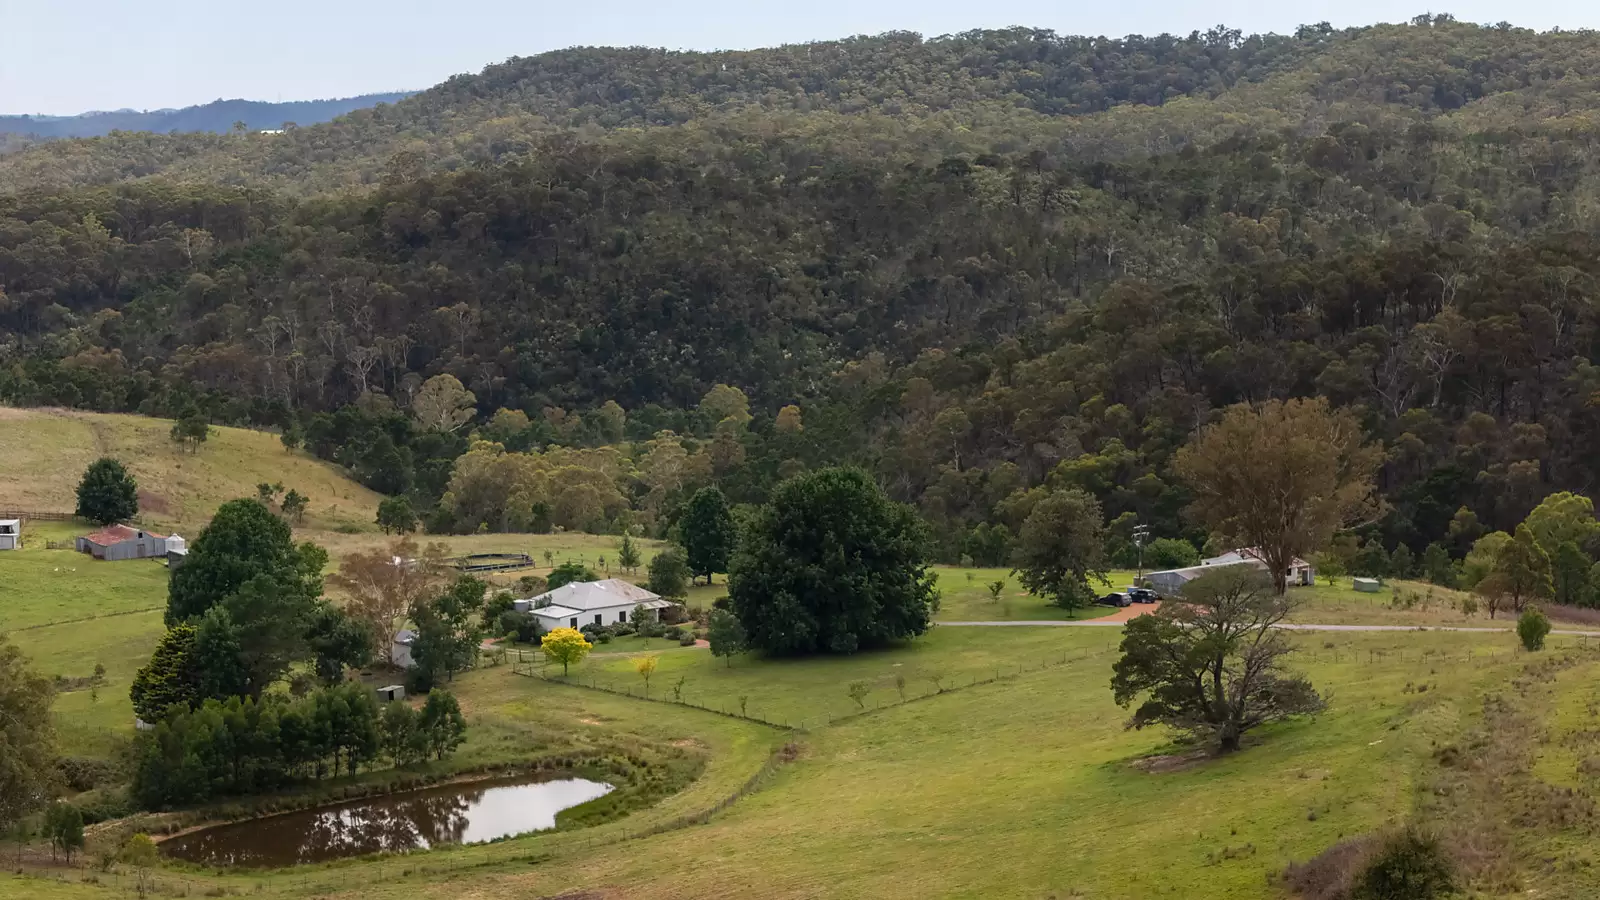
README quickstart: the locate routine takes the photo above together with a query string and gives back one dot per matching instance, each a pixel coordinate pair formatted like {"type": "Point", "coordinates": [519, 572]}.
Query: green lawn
{"type": "Point", "coordinates": [813, 690]}
{"type": "Point", "coordinates": [40, 587]}
{"type": "Point", "coordinates": [972, 793]}
{"type": "Point", "coordinates": [965, 597]}
{"type": "Point", "coordinates": [109, 614]}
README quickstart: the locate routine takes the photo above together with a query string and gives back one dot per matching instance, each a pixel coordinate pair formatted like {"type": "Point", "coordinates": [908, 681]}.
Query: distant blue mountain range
{"type": "Point", "coordinates": [217, 116]}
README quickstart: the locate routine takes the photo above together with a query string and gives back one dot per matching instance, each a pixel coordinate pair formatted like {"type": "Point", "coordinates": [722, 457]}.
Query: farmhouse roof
{"type": "Point", "coordinates": [10, 521]}
{"type": "Point", "coordinates": [586, 595]}
{"type": "Point", "coordinates": [116, 534]}
{"type": "Point", "coordinates": [556, 612]}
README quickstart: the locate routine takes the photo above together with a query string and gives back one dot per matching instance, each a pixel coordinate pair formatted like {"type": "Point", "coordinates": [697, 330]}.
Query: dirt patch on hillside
{"type": "Point", "coordinates": [1178, 762]}
{"type": "Point", "coordinates": [154, 503]}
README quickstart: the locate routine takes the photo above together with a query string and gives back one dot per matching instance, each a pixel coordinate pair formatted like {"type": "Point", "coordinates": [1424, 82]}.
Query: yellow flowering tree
{"type": "Point", "coordinates": [565, 646]}
{"type": "Point", "coordinates": [645, 666]}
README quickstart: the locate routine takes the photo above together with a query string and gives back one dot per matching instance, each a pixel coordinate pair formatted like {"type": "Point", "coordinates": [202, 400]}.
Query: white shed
{"type": "Point", "coordinates": [400, 650]}
{"type": "Point", "coordinates": [10, 534]}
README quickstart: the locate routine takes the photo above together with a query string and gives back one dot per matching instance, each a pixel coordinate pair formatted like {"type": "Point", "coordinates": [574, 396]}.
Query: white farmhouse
{"type": "Point", "coordinates": [592, 602]}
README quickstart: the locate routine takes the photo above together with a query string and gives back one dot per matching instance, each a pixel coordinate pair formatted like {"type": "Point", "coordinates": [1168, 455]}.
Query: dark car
{"type": "Point", "coordinates": [1143, 595]}
{"type": "Point", "coordinates": [1116, 598]}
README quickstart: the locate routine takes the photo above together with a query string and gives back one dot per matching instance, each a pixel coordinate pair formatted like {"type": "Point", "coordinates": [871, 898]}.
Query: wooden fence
{"type": "Point", "coordinates": [36, 515]}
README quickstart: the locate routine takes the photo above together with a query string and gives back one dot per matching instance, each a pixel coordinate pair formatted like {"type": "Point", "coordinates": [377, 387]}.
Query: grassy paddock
{"type": "Point", "coordinates": [46, 451]}
{"type": "Point", "coordinates": [971, 793]}
{"type": "Point", "coordinates": [976, 793]}
{"type": "Point", "coordinates": [813, 690]}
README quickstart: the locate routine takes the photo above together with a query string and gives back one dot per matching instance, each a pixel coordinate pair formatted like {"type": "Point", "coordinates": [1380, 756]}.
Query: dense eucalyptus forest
{"type": "Point", "coordinates": [970, 264]}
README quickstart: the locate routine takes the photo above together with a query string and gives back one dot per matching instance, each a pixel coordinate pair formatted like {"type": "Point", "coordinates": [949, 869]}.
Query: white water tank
{"type": "Point", "coordinates": [176, 542]}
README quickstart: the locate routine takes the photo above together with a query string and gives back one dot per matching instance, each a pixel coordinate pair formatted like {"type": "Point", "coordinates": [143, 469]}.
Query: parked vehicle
{"type": "Point", "coordinates": [1116, 598]}
{"type": "Point", "coordinates": [1143, 595]}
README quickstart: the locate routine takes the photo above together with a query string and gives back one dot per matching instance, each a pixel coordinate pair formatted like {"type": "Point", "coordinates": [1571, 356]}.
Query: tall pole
{"type": "Point", "coordinates": [1140, 532]}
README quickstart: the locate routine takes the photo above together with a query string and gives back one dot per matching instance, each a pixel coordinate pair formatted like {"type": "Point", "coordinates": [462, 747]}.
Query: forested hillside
{"type": "Point", "coordinates": [972, 264]}
{"type": "Point", "coordinates": [218, 116]}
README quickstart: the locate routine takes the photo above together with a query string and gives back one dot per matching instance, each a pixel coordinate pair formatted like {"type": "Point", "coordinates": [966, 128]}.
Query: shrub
{"type": "Point", "coordinates": [1532, 626]}
{"type": "Point", "coordinates": [1331, 874]}
{"type": "Point", "coordinates": [686, 641]}
{"type": "Point", "coordinates": [85, 773]}
{"type": "Point", "coordinates": [1408, 865]}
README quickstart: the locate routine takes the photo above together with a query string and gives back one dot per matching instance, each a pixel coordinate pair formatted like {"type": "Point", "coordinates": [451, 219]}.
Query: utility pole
{"type": "Point", "coordinates": [1141, 533]}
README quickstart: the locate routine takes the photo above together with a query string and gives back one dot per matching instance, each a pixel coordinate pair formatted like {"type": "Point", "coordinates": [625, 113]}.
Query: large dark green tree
{"type": "Point", "coordinates": [107, 493]}
{"type": "Point", "coordinates": [1061, 547]}
{"type": "Point", "coordinates": [706, 531]}
{"type": "Point", "coordinates": [243, 541]}
{"type": "Point", "coordinates": [831, 565]}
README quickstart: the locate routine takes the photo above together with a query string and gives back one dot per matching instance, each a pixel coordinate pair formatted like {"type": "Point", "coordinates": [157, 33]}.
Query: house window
{"type": "Point", "coordinates": [622, 616]}
{"type": "Point", "coordinates": [574, 621]}
{"type": "Point", "coordinates": [597, 619]}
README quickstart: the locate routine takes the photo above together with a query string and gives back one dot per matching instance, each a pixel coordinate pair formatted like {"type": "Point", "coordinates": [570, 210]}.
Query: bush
{"type": "Point", "coordinates": [1408, 865]}
{"type": "Point", "coordinates": [419, 680]}
{"type": "Point", "coordinates": [1532, 626]}
{"type": "Point", "coordinates": [686, 641]}
{"type": "Point", "coordinates": [1331, 874]}
{"type": "Point", "coordinates": [84, 773]}
{"type": "Point", "coordinates": [523, 627]}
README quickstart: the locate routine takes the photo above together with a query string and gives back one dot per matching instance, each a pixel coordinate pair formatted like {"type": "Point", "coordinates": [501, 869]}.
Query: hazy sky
{"type": "Point", "coordinates": [68, 56]}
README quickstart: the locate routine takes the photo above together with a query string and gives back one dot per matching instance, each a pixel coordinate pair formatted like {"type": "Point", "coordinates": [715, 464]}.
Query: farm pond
{"type": "Point", "coordinates": [450, 814]}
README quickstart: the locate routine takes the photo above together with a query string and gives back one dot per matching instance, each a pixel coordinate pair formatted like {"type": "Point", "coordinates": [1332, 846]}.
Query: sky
{"type": "Point", "coordinates": [69, 56]}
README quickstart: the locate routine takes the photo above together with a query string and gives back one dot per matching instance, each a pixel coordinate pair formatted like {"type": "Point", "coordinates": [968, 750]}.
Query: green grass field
{"type": "Point", "coordinates": [1020, 788]}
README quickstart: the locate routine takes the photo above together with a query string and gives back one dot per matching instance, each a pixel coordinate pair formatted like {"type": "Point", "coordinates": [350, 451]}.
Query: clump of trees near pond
{"type": "Point", "coordinates": [246, 613]}
{"type": "Point", "coordinates": [243, 746]}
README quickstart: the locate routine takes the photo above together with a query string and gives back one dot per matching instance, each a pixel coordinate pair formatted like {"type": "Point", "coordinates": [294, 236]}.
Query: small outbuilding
{"type": "Point", "coordinates": [123, 542]}
{"type": "Point", "coordinates": [1368, 585]}
{"type": "Point", "coordinates": [400, 650]}
{"type": "Point", "coordinates": [10, 534]}
{"type": "Point", "coordinates": [391, 693]}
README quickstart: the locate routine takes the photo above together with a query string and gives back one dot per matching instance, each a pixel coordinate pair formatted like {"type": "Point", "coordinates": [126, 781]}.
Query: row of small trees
{"type": "Point", "coordinates": [244, 746]}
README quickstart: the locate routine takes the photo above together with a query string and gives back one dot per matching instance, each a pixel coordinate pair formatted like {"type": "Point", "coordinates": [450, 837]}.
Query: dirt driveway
{"type": "Point", "coordinates": [1127, 612]}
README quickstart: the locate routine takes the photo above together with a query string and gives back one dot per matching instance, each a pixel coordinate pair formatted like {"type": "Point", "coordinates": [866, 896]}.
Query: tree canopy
{"type": "Point", "coordinates": [706, 531]}
{"type": "Point", "coordinates": [1212, 665]}
{"type": "Point", "coordinates": [243, 541]}
{"type": "Point", "coordinates": [831, 565]}
{"type": "Point", "coordinates": [107, 493]}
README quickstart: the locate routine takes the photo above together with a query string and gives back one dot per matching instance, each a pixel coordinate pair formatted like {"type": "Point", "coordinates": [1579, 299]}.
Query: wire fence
{"type": "Point", "coordinates": [80, 619]}
{"type": "Point", "coordinates": [931, 685]}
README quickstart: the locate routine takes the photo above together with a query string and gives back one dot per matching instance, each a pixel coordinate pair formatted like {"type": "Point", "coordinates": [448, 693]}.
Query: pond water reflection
{"type": "Point", "coordinates": [459, 814]}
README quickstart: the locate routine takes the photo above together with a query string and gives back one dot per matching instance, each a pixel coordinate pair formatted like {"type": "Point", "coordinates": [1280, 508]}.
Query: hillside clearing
{"type": "Point", "coordinates": [46, 451]}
